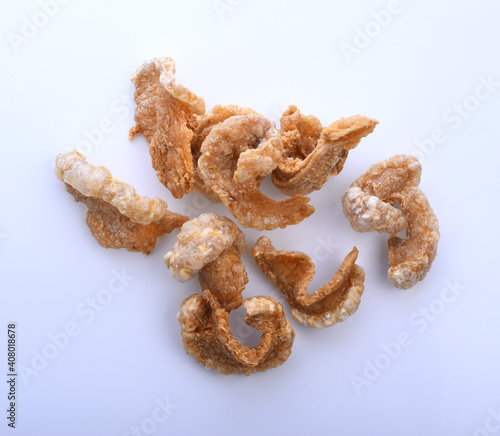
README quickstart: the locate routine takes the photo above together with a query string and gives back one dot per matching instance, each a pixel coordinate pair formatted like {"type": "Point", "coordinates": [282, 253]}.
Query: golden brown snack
{"type": "Point", "coordinates": [411, 258]}
{"type": "Point", "coordinates": [226, 277]}
{"type": "Point", "coordinates": [365, 202]}
{"type": "Point", "coordinates": [370, 204]}
{"type": "Point", "coordinates": [116, 216]}
{"type": "Point", "coordinates": [202, 126]}
{"type": "Point", "coordinates": [211, 245]}
{"type": "Point", "coordinates": [164, 110]}
{"type": "Point", "coordinates": [235, 156]}
{"type": "Point", "coordinates": [292, 271]}
{"type": "Point", "coordinates": [312, 152]}
{"type": "Point", "coordinates": [208, 338]}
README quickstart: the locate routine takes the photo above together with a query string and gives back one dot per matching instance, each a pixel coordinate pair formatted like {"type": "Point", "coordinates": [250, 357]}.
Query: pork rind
{"type": "Point", "coordinates": [292, 271]}
{"type": "Point", "coordinates": [117, 216]}
{"type": "Point", "coordinates": [208, 338]}
{"type": "Point", "coordinates": [235, 156]}
{"type": "Point", "coordinates": [164, 110]}
{"type": "Point", "coordinates": [226, 277]}
{"type": "Point", "coordinates": [211, 245]}
{"type": "Point", "coordinates": [371, 203]}
{"type": "Point", "coordinates": [202, 125]}
{"type": "Point", "coordinates": [312, 152]}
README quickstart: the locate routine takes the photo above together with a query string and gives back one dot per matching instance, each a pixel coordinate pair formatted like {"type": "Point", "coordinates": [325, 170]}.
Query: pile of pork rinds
{"type": "Point", "coordinates": [225, 154]}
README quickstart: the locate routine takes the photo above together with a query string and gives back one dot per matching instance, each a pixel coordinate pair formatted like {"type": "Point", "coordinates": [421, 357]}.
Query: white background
{"type": "Point", "coordinates": [69, 76]}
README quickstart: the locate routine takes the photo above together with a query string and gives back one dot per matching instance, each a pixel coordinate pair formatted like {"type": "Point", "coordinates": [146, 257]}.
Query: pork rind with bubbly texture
{"type": "Point", "coordinates": [235, 156]}
{"type": "Point", "coordinates": [387, 199]}
{"type": "Point", "coordinates": [117, 217]}
{"type": "Point", "coordinates": [202, 125]}
{"type": "Point", "coordinates": [208, 338]}
{"type": "Point", "coordinates": [292, 271]}
{"type": "Point", "coordinates": [211, 245]}
{"type": "Point", "coordinates": [313, 152]}
{"type": "Point", "coordinates": [164, 111]}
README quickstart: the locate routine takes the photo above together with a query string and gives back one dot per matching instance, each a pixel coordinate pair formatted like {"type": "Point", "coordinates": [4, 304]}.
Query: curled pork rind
{"type": "Point", "coordinates": [164, 110]}
{"type": "Point", "coordinates": [208, 338]}
{"type": "Point", "coordinates": [370, 204]}
{"type": "Point", "coordinates": [292, 271]}
{"type": "Point", "coordinates": [116, 216]}
{"type": "Point", "coordinates": [202, 125]}
{"type": "Point", "coordinates": [235, 156]}
{"type": "Point", "coordinates": [312, 153]}
{"type": "Point", "coordinates": [211, 245]}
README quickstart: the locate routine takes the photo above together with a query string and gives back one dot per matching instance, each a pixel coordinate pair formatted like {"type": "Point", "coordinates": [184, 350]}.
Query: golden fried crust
{"type": "Point", "coordinates": [207, 337]}
{"type": "Point", "coordinates": [292, 271]}
{"type": "Point", "coordinates": [411, 258]}
{"type": "Point", "coordinates": [235, 155]}
{"type": "Point", "coordinates": [202, 125]}
{"type": "Point", "coordinates": [370, 202]}
{"type": "Point", "coordinates": [312, 153]}
{"type": "Point", "coordinates": [201, 241]}
{"type": "Point", "coordinates": [226, 278]}
{"type": "Point", "coordinates": [164, 108]}
{"type": "Point", "coordinates": [365, 202]}
{"type": "Point", "coordinates": [117, 216]}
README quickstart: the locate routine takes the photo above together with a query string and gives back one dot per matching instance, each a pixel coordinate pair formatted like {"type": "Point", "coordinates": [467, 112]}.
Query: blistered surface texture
{"type": "Point", "coordinates": [201, 241]}
{"type": "Point", "coordinates": [164, 110]}
{"type": "Point", "coordinates": [371, 203]}
{"type": "Point", "coordinates": [292, 271]}
{"type": "Point", "coordinates": [211, 245]}
{"type": "Point", "coordinates": [202, 126]}
{"type": "Point", "coordinates": [226, 278]}
{"type": "Point", "coordinates": [312, 153]}
{"type": "Point", "coordinates": [235, 155]}
{"type": "Point", "coordinates": [411, 258]}
{"type": "Point", "coordinates": [207, 337]}
{"type": "Point", "coordinates": [117, 216]}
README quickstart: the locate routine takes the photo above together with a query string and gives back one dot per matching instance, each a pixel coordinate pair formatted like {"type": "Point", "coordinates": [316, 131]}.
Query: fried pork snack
{"type": "Point", "coordinates": [235, 156]}
{"type": "Point", "coordinates": [370, 204]}
{"type": "Point", "coordinates": [312, 152]}
{"type": "Point", "coordinates": [117, 216]}
{"type": "Point", "coordinates": [292, 271]}
{"type": "Point", "coordinates": [211, 245]}
{"type": "Point", "coordinates": [164, 110]}
{"type": "Point", "coordinates": [202, 125]}
{"type": "Point", "coordinates": [226, 277]}
{"type": "Point", "coordinates": [208, 338]}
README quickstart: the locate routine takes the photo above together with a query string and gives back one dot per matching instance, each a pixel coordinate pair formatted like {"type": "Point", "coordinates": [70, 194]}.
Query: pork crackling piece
{"type": "Point", "coordinates": [313, 152]}
{"type": "Point", "coordinates": [387, 199]}
{"type": "Point", "coordinates": [164, 110]}
{"type": "Point", "coordinates": [202, 125]}
{"type": "Point", "coordinates": [117, 217]}
{"type": "Point", "coordinates": [208, 338]}
{"type": "Point", "coordinates": [292, 271]}
{"type": "Point", "coordinates": [235, 156]}
{"type": "Point", "coordinates": [211, 245]}
{"type": "Point", "coordinates": [411, 258]}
